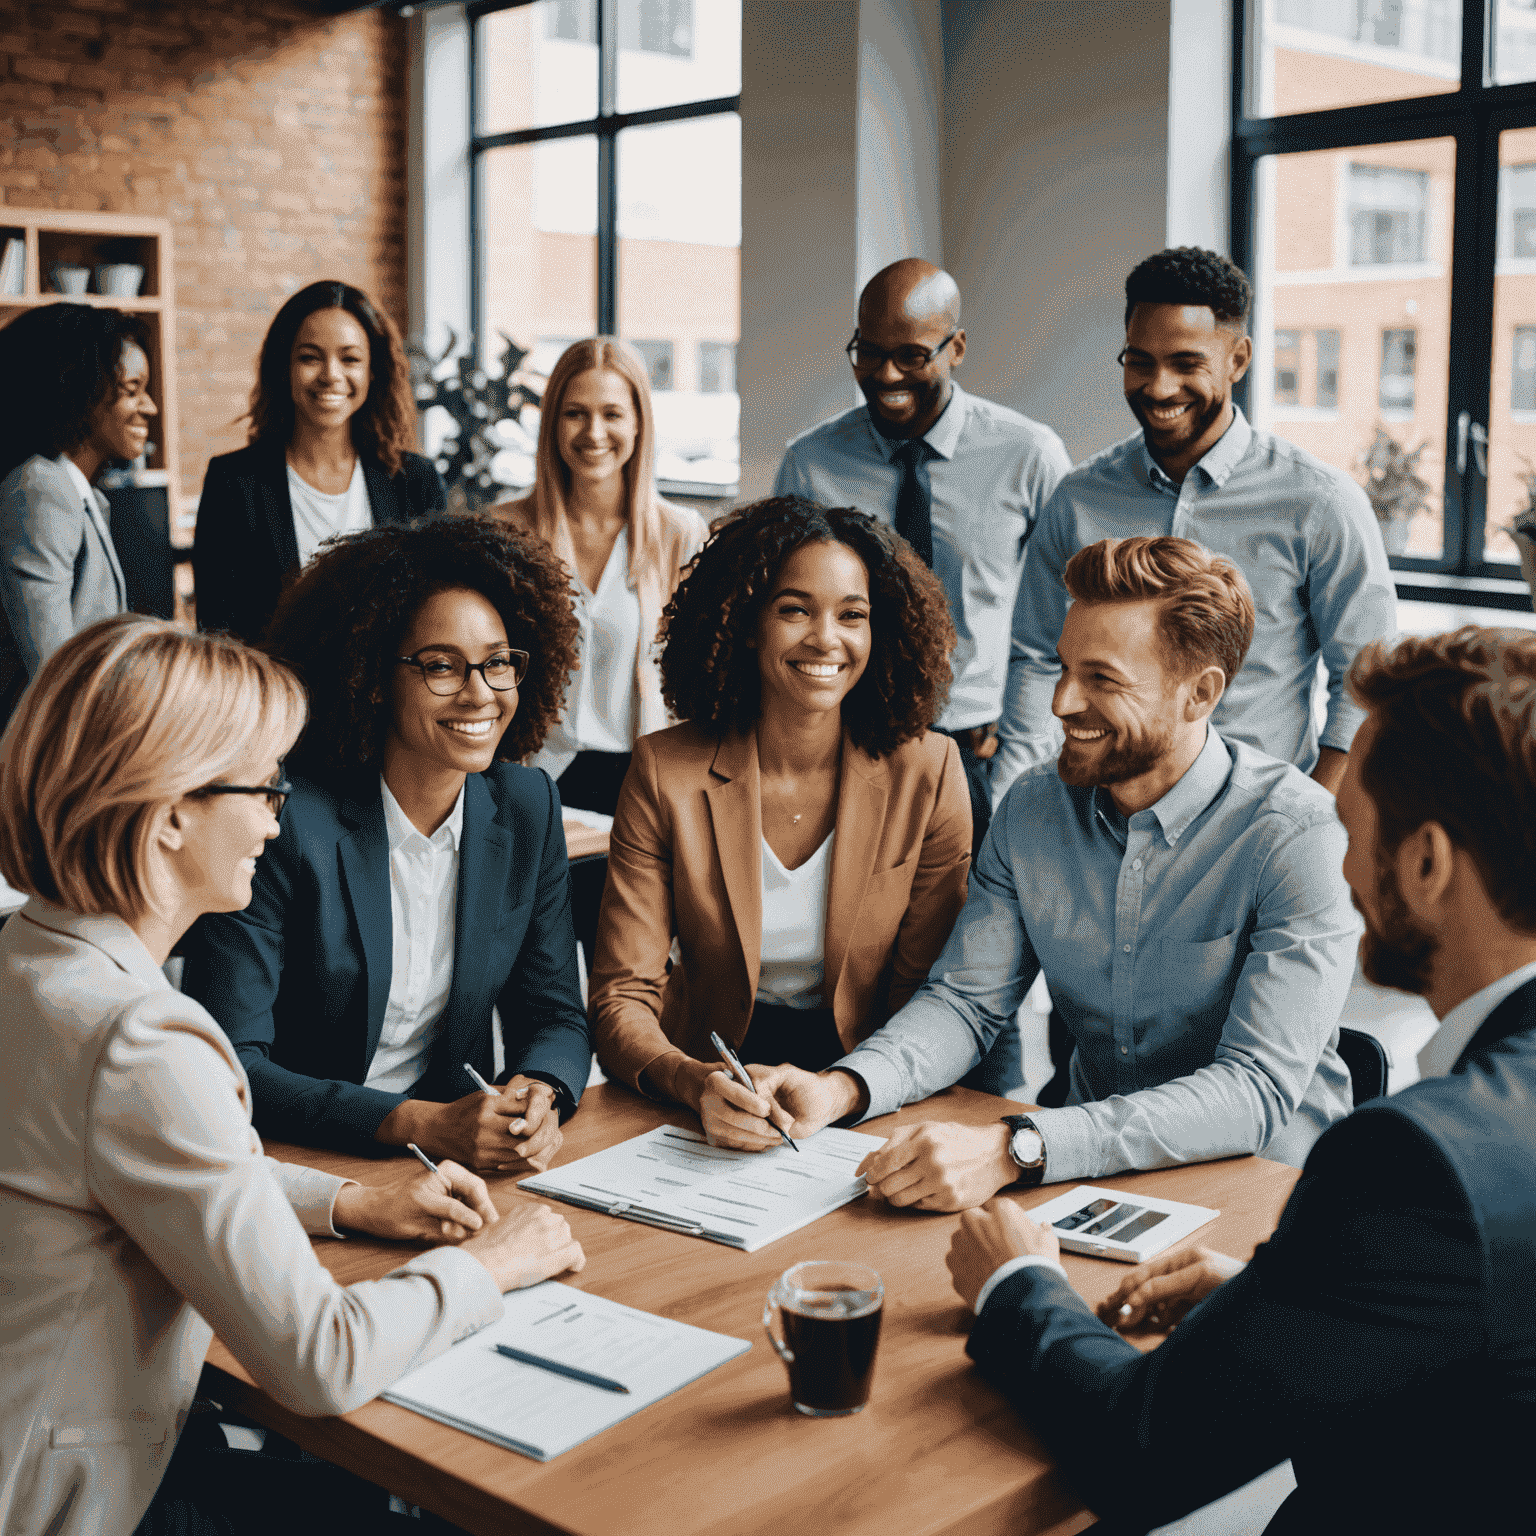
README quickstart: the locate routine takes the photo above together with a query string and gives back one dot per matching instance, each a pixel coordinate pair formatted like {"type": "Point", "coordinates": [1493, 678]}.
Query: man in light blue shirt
{"type": "Point", "coordinates": [961, 478]}
{"type": "Point", "coordinates": [1301, 531]}
{"type": "Point", "coordinates": [1183, 892]}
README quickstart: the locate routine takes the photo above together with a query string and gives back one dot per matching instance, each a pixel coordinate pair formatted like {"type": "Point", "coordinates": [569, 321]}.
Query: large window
{"type": "Point", "coordinates": [607, 199]}
{"type": "Point", "coordinates": [1384, 197]}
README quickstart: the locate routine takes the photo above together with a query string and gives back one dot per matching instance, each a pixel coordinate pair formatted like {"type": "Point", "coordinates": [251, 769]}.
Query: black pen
{"type": "Point", "coordinates": [562, 1370]}
{"type": "Point", "coordinates": [728, 1056]}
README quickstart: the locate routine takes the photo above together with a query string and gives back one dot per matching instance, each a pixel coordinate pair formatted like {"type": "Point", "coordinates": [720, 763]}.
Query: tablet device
{"type": "Point", "coordinates": [1113, 1224]}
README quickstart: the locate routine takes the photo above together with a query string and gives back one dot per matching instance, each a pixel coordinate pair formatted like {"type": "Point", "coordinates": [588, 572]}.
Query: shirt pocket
{"type": "Point", "coordinates": [1191, 986]}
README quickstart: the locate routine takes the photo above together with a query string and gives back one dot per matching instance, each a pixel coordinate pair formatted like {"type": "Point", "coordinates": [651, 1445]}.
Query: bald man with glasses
{"type": "Point", "coordinates": [960, 478]}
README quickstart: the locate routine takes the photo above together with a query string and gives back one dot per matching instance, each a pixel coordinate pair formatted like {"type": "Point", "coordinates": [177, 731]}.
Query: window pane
{"type": "Point", "coordinates": [1514, 41]}
{"type": "Point", "coordinates": [677, 50]}
{"type": "Point", "coordinates": [679, 287]}
{"type": "Point", "coordinates": [538, 239]}
{"type": "Point", "coordinates": [1315, 54]}
{"type": "Point", "coordinates": [1511, 453]}
{"type": "Point", "coordinates": [1353, 267]}
{"type": "Point", "coordinates": [537, 65]}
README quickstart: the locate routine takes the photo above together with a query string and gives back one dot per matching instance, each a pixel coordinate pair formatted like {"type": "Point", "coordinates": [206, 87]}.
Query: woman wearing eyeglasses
{"type": "Point", "coordinates": [139, 782]}
{"type": "Point", "coordinates": [418, 897]}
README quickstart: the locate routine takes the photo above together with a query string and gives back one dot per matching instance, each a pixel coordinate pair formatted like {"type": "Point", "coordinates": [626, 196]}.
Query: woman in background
{"type": "Point", "coordinates": [139, 781]}
{"type": "Point", "coordinates": [416, 905]}
{"type": "Point", "coordinates": [594, 502]}
{"type": "Point", "coordinates": [74, 399]}
{"type": "Point", "coordinates": [333, 422]}
{"type": "Point", "coordinates": [804, 837]}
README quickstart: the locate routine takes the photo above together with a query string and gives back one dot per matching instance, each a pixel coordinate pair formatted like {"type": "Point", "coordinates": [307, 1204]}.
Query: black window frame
{"type": "Point", "coordinates": [1473, 117]}
{"type": "Point", "coordinates": [605, 127]}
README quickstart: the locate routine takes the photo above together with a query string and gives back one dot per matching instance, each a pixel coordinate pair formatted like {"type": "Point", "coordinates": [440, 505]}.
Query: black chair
{"type": "Point", "coordinates": [1366, 1058]}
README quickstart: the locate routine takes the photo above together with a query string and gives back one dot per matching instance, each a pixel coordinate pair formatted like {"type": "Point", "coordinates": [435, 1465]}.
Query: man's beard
{"type": "Point", "coordinates": [1119, 763]}
{"type": "Point", "coordinates": [1204, 420]}
{"type": "Point", "coordinates": [926, 396]}
{"type": "Point", "coordinates": [1399, 953]}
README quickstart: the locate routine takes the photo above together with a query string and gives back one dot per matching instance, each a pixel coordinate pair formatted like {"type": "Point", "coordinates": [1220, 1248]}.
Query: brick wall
{"type": "Point", "coordinates": [272, 139]}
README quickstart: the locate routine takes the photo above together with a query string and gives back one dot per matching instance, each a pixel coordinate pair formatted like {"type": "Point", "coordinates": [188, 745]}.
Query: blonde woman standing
{"type": "Point", "coordinates": [594, 502]}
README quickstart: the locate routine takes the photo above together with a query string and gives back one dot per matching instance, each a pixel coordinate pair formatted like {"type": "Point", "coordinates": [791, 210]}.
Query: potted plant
{"type": "Point", "coordinates": [1397, 492]}
{"type": "Point", "coordinates": [1522, 528]}
{"type": "Point", "coordinates": [478, 404]}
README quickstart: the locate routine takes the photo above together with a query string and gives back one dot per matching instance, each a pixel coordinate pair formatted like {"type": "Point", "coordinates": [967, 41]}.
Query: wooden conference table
{"type": "Point", "coordinates": [937, 1450]}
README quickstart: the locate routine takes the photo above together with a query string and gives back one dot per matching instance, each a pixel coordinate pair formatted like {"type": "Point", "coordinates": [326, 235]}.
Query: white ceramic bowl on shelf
{"type": "Point", "coordinates": [120, 280]}
{"type": "Point", "coordinates": [70, 280]}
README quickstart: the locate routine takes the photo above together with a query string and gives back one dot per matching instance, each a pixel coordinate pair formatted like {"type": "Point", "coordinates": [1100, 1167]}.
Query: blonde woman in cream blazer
{"type": "Point", "coordinates": [137, 1212]}
{"type": "Point", "coordinates": [786, 866]}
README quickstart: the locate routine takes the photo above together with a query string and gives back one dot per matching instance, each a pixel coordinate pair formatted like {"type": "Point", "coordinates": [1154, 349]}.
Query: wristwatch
{"type": "Point", "coordinates": [1026, 1146]}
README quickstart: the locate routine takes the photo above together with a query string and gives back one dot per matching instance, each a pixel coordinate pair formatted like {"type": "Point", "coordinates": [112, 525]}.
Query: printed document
{"type": "Point", "coordinates": [672, 1178]}
{"type": "Point", "coordinates": [538, 1413]}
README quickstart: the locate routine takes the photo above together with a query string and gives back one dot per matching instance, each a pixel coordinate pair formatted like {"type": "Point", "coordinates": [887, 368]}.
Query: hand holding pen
{"type": "Point", "coordinates": [744, 1136]}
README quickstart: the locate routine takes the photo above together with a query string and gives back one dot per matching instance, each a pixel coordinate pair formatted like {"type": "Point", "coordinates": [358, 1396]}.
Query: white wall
{"type": "Point", "coordinates": [1199, 118]}
{"type": "Point", "coordinates": [1055, 183]}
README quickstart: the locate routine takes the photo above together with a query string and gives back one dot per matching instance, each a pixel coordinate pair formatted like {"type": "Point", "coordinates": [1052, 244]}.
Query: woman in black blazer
{"type": "Point", "coordinates": [332, 419]}
{"type": "Point", "coordinates": [420, 877]}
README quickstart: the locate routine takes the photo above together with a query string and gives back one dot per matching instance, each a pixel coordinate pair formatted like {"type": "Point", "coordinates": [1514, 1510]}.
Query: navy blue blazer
{"type": "Point", "coordinates": [299, 980]}
{"type": "Point", "coordinates": [1384, 1339]}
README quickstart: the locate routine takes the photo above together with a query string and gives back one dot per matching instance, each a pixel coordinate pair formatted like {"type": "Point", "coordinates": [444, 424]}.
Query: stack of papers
{"type": "Point", "coordinates": [674, 1179]}
{"type": "Point", "coordinates": [539, 1413]}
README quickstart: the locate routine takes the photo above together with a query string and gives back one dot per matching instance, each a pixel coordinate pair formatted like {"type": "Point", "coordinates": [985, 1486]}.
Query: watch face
{"type": "Point", "coordinates": [1026, 1147]}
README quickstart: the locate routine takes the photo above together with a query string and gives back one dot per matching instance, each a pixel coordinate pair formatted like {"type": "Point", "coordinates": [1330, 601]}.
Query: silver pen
{"type": "Point", "coordinates": [728, 1056]}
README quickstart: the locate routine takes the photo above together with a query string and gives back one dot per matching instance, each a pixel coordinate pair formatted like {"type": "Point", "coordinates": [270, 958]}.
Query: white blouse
{"type": "Point", "coordinates": [794, 929]}
{"type": "Point", "coordinates": [318, 517]}
{"type": "Point", "coordinates": [599, 713]}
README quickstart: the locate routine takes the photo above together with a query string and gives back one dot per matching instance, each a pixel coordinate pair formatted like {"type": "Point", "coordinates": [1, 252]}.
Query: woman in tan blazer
{"type": "Point", "coordinates": [141, 777]}
{"type": "Point", "coordinates": [786, 866]}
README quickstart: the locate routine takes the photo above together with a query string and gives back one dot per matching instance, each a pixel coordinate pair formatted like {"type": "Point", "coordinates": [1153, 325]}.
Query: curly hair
{"type": "Point", "coordinates": [1188, 275]}
{"type": "Point", "coordinates": [709, 671]}
{"type": "Point", "coordinates": [385, 423]}
{"type": "Point", "coordinates": [340, 624]}
{"type": "Point", "coordinates": [48, 410]}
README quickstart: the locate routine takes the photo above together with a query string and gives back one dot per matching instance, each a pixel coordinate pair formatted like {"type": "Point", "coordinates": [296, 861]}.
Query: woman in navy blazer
{"type": "Point", "coordinates": [332, 421]}
{"type": "Point", "coordinates": [433, 655]}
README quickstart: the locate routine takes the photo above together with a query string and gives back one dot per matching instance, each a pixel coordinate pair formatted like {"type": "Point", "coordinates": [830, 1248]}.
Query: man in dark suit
{"type": "Point", "coordinates": [1385, 1338]}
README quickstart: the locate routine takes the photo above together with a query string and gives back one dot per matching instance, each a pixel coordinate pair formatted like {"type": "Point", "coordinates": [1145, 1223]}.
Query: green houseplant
{"type": "Point", "coordinates": [1397, 491]}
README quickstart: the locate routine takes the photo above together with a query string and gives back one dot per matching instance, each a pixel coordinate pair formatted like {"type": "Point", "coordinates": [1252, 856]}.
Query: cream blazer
{"type": "Point", "coordinates": [138, 1215]}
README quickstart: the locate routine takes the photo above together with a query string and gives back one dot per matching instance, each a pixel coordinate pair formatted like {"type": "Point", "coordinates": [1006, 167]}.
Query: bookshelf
{"type": "Point", "coordinates": [57, 237]}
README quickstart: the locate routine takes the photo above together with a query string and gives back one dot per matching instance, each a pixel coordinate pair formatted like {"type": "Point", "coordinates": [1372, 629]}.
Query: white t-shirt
{"type": "Point", "coordinates": [794, 928]}
{"type": "Point", "coordinates": [423, 908]}
{"type": "Point", "coordinates": [318, 517]}
{"type": "Point", "coordinates": [599, 711]}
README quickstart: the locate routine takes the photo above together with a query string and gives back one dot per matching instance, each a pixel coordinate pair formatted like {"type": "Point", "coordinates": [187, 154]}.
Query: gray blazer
{"type": "Point", "coordinates": [58, 569]}
{"type": "Point", "coordinates": [138, 1215]}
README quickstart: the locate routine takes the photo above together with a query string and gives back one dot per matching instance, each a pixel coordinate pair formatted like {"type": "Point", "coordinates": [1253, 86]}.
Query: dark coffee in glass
{"type": "Point", "coordinates": [831, 1318]}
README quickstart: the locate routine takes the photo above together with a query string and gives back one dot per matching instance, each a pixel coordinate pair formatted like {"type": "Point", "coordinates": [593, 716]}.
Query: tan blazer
{"type": "Point", "coordinates": [685, 860]}
{"type": "Point", "coordinates": [138, 1215]}
{"type": "Point", "coordinates": [683, 532]}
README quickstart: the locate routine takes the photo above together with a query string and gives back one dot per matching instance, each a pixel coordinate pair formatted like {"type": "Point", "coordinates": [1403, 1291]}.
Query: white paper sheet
{"type": "Point", "coordinates": [1114, 1224]}
{"type": "Point", "coordinates": [673, 1178]}
{"type": "Point", "coordinates": [538, 1413]}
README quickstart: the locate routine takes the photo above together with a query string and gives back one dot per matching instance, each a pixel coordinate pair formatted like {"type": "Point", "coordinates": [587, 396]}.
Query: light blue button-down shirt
{"type": "Point", "coordinates": [1199, 952]}
{"type": "Point", "coordinates": [1301, 531]}
{"type": "Point", "coordinates": [991, 471]}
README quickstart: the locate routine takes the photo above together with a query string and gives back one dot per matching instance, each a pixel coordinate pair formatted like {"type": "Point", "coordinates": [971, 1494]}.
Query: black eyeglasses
{"type": "Point", "coordinates": [277, 794]}
{"type": "Point", "coordinates": [865, 354]}
{"type": "Point", "coordinates": [446, 674]}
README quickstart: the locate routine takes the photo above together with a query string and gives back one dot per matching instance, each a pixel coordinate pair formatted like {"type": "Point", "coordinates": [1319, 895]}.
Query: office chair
{"type": "Point", "coordinates": [1366, 1058]}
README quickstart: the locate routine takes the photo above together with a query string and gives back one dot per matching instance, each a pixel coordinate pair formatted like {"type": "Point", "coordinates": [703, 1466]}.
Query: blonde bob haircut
{"type": "Point", "coordinates": [1205, 614]}
{"type": "Point", "coordinates": [552, 477]}
{"type": "Point", "coordinates": [122, 721]}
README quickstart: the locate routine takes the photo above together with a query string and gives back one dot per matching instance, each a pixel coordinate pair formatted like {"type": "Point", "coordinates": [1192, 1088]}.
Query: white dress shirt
{"type": "Point", "coordinates": [318, 517]}
{"type": "Point", "coordinates": [794, 929]}
{"type": "Point", "coordinates": [423, 905]}
{"type": "Point", "coordinates": [599, 714]}
{"type": "Point", "coordinates": [1465, 1019]}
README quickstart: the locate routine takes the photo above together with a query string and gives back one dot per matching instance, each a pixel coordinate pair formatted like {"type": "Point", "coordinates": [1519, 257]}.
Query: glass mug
{"type": "Point", "coordinates": [831, 1314]}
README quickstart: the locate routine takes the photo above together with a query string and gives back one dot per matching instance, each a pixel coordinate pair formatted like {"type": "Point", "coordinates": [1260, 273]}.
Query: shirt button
{"type": "Point", "coordinates": [1135, 863]}
{"type": "Point", "coordinates": [1127, 949]}
{"type": "Point", "coordinates": [1125, 1050]}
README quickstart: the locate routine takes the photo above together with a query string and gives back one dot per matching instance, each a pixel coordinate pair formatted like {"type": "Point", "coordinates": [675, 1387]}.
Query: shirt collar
{"type": "Point", "coordinates": [77, 475]}
{"type": "Point", "coordinates": [943, 437]}
{"type": "Point", "coordinates": [1220, 460]}
{"type": "Point", "coordinates": [400, 829]}
{"type": "Point", "coordinates": [1464, 1020]}
{"type": "Point", "coordinates": [1203, 780]}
